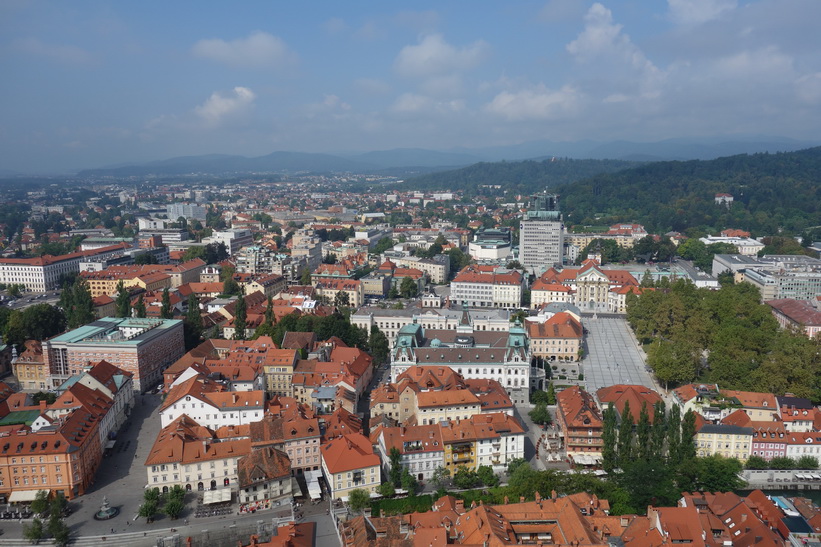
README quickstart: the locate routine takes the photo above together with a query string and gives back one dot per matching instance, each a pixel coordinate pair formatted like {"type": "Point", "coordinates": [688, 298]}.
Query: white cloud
{"type": "Point", "coordinates": [613, 59]}
{"type": "Point", "coordinates": [690, 12]}
{"type": "Point", "coordinates": [433, 56]}
{"type": "Point", "coordinates": [412, 103]}
{"type": "Point", "coordinates": [259, 49]}
{"type": "Point", "coordinates": [62, 53]}
{"type": "Point", "coordinates": [331, 104]}
{"type": "Point", "coordinates": [808, 88]}
{"type": "Point", "coordinates": [537, 103]}
{"type": "Point", "coordinates": [601, 37]}
{"type": "Point", "coordinates": [217, 107]}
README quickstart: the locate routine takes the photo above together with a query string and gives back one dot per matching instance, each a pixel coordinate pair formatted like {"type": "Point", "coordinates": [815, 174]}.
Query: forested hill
{"type": "Point", "coordinates": [771, 192]}
{"type": "Point", "coordinates": [516, 177]}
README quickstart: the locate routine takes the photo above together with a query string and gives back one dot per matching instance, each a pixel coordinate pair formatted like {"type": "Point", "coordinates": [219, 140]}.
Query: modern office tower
{"type": "Point", "coordinates": [541, 234]}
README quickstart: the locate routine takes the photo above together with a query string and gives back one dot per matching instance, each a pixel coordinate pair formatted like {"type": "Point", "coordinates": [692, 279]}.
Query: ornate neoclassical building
{"type": "Point", "coordinates": [501, 356]}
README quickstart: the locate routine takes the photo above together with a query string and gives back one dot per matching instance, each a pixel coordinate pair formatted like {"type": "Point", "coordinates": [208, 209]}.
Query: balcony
{"type": "Point", "coordinates": [462, 457]}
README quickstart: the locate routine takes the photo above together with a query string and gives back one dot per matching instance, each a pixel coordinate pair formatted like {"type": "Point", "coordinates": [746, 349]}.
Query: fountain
{"type": "Point", "coordinates": [106, 511]}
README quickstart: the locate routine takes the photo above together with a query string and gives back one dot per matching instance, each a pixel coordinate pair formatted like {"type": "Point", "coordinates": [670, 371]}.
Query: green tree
{"type": "Point", "coordinates": [514, 464]}
{"type": "Point", "coordinates": [648, 483]}
{"type": "Point", "coordinates": [123, 301]}
{"type": "Point", "coordinates": [540, 415]}
{"type": "Point", "coordinates": [782, 463]}
{"type": "Point", "coordinates": [152, 494]}
{"type": "Point", "coordinates": [625, 442]}
{"type": "Point", "coordinates": [306, 277]}
{"type": "Point", "coordinates": [192, 323]}
{"type": "Point", "coordinates": [165, 308]}
{"type": "Point", "coordinates": [659, 432]}
{"type": "Point", "coordinates": [139, 307]}
{"type": "Point", "coordinates": [177, 492]}
{"type": "Point", "coordinates": [551, 394]}
{"type": "Point", "coordinates": [382, 245]}
{"type": "Point", "coordinates": [609, 438]}
{"type": "Point", "coordinates": [465, 478]}
{"type": "Point", "coordinates": [230, 287]}
{"type": "Point", "coordinates": [240, 317]}
{"type": "Point", "coordinates": [674, 433]}
{"type": "Point", "coordinates": [173, 508]}
{"type": "Point", "coordinates": [487, 476]}
{"type": "Point", "coordinates": [408, 288]}
{"type": "Point", "coordinates": [34, 532]}
{"type": "Point", "coordinates": [673, 362]}
{"type": "Point", "coordinates": [358, 500]}
{"type": "Point", "coordinates": [644, 448]}
{"type": "Point", "coordinates": [687, 449]}
{"type": "Point", "coordinates": [60, 531]}
{"type": "Point", "coordinates": [82, 305]}
{"type": "Point", "coordinates": [441, 477]}
{"type": "Point", "coordinates": [458, 259]}
{"type": "Point", "coordinates": [148, 510]}
{"type": "Point", "coordinates": [40, 503]}
{"type": "Point", "coordinates": [395, 473]}
{"type": "Point", "coordinates": [58, 503]}
{"type": "Point", "coordinates": [756, 462]}
{"type": "Point", "coordinates": [380, 348]}
{"type": "Point", "coordinates": [807, 462]}
{"type": "Point", "coordinates": [408, 481]}
{"type": "Point", "coordinates": [387, 489]}
{"type": "Point", "coordinates": [342, 299]}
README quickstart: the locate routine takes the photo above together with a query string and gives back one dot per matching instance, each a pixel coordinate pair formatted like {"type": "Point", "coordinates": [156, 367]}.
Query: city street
{"type": "Point", "coordinates": [122, 479]}
{"type": "Point", "coordinates": [612, 355]}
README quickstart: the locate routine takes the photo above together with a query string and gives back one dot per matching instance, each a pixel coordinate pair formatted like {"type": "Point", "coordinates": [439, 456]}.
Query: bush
{"type": "Point", "coordinates": [756, 462]}
{"type": "Point", "coordinates": [386, 489]}
{"type": "Point", "coordinates": [413, 504]}
{"type": "Point", "coordinates": [807, 463]}
{"type": "Point", "coordinates": [581, 377]}
{"type": "Point", "coordinates": [781, 463]}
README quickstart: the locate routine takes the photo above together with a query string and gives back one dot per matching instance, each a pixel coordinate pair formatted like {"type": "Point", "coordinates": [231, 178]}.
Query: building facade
{"type": "Point", "coordinates": [141, 347]}
{"type": "Point", "coordinates": [541, 234]}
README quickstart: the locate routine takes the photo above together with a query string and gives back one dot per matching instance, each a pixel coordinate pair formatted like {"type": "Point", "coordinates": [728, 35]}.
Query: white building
{"type": "Point", "coordinates": [488, 287]}
{"type": "Point", "coordinates": [45, 273]}
{"type": "Point", "coordinates": [197, 399]}
{"type": "Point", "coordinates": [421, 448]}
{"type": "Point", "coordinates": [541, 234]}
{"type": "Point", "coordinates": [234, 239]}
{"type": "Point", "coordinates": [745, 245]}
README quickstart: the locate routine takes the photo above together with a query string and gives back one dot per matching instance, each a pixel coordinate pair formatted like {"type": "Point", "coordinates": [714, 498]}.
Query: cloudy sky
{"type": "Point", "coordinates": [86, 84]}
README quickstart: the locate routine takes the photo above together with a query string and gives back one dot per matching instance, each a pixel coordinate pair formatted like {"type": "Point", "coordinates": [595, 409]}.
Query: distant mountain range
{"type": "Point", "coordinates": [413, 161]}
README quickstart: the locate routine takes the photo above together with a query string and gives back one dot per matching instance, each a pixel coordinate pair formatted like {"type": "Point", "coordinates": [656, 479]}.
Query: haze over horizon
{"type": "Point", "coordinates": [96, 83]}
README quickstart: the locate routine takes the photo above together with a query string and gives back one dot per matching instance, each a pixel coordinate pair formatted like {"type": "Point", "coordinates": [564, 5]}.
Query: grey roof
{"type": "Point", "coordinates": [726, 429]}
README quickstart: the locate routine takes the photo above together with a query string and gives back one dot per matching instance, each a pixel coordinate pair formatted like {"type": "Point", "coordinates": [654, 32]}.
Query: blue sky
{"type": "Point", "coordinates": [89, 83]}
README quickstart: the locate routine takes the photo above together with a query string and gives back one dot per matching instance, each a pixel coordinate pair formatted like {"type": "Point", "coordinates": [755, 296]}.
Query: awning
{"type": "Point", "coordinates": [23, 495]}
{"type": "Point", "coordinates": [110, 444]}
{"type": "Point", "coordinates": [312, 480]}
{"type": "Point", "coordinates": [216, 496]}
{"type": "Point", "coordinates": [586, 459]}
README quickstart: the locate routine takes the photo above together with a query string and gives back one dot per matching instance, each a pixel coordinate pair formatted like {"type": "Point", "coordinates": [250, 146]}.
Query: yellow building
{"type": "Point", "coordinates": [348, 463]}
{"type": "Point", "coordinates": [30, 368]}
{"type": "Point", "coordinates": [729, 441]}
{"type": "Point", "coordinates": [279, 369]}
{"type": "Point", "coordinates": [439, 406]}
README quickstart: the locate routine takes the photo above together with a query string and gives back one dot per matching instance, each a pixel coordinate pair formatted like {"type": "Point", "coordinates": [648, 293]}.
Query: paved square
{"type": "Point", "coordinates": [612, 355]}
